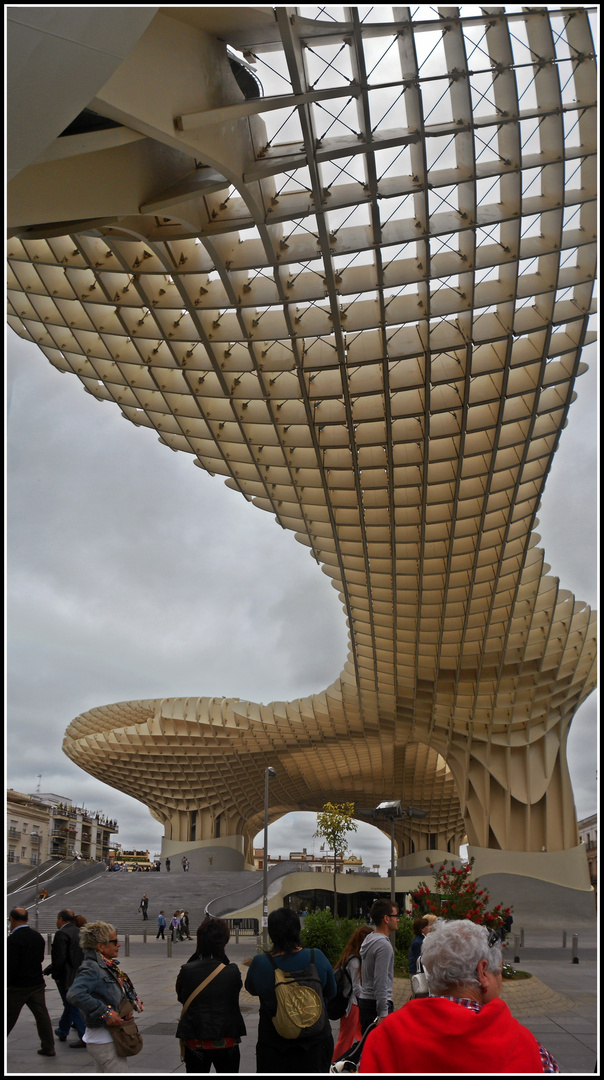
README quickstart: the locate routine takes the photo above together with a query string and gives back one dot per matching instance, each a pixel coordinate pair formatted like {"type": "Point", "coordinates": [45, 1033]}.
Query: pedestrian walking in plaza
{"type": "Point", "coordinates": [184, 862]}
{"type": "Point", "coordinates": [144, 904]}
{"type": "Point", "coordinates": [168, 865]}
{"type": "Point", "coordinates": [174, 924]}
{"type": "Point", "coordinates": [104, 994]}
{"type": "Point", "coordinates": [377, 960]}
{"type": "Point", "coordinates": [25, 982]}
{"type": "Point", "coordinates": [211, 1026]}
{"type": "Point", "coordinates": [350, 963]}
{"type": "Point", "coordinates": [66, 955]}
{"type": "Point", "coordinates": [463, 1023]}
{"type": "Point", "coordinates": [161, 926]}
{"type": "Point", "coordinates": [312, 1051]}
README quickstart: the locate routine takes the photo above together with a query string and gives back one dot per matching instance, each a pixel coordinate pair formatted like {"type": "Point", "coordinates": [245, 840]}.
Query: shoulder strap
{"type": "Point", "coordinates": [201, 987]}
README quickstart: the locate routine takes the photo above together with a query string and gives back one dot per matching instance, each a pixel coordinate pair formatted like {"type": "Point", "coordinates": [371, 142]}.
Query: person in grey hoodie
{"type": "Point", "coordinates": [377, 964]}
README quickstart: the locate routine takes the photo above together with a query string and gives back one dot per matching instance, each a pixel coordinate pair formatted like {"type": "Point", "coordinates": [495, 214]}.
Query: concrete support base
{"type": "Point", "coordinates": [546, 889]}
{"type": "Point", "coordinates": [223, 854]}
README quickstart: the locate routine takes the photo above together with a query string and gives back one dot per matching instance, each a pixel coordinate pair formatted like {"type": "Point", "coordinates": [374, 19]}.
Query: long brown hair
{"type": "Point", "coordinates": [353, 945]}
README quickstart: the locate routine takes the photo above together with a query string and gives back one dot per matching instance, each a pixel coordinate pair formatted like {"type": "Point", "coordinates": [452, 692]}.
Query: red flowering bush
{"type": "Point", "coordinates": [455, 895]}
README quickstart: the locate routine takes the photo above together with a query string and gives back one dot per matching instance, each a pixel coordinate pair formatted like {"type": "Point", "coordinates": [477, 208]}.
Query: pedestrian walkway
{"type": "Point", "coordinates": [559, 1005]}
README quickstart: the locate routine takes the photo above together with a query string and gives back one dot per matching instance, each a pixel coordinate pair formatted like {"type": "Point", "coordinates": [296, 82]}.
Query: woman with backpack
{"type": "Point", "coordinates": [293, 984]}
{"type": "Point", "coordinates": [350, 966]}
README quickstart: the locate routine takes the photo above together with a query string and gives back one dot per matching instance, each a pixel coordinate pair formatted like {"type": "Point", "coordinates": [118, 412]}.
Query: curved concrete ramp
{"type": "Point", "coordinates": [541, 903]}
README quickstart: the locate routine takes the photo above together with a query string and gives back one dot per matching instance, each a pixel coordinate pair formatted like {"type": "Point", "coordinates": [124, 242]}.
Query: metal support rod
{"type": "Point", "coordinates": [37, 885]}
{"type": "Point", "coordinates": [392, 879]}
{"type": "Point", "coordinates": [126, 944]}
{"type": "Point", "coordinates": [575, 949]}
{"type": "Point", "coordinates": [564, 939]}
{"type": "Point", "coordinates": [516, 948]}
{"type": "Point", "coordinates": [392, 888]}
{"type": "Point", "coordinates": [267, 773]}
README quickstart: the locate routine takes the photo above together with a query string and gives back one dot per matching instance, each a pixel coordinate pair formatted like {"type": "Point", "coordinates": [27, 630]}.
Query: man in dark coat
{"type": "Point", "coordinates": [25, 956]}
{"type": "Point", "coordinates": [67, 956]}
{"type": "Point", "coordinates": [144, 904]}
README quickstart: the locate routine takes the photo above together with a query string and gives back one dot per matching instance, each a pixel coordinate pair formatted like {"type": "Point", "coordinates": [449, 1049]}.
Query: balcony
{"type": "Point", "coordinates": [14, 834]}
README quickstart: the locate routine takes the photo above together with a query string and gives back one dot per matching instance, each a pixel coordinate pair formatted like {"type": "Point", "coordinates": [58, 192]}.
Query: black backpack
{"type": "Point", "coordinates": [336, 1006]}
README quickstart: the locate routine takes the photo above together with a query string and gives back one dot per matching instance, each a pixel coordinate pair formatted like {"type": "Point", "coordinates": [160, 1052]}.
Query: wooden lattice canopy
{"type": "Point", "coordinates": [358, 289]}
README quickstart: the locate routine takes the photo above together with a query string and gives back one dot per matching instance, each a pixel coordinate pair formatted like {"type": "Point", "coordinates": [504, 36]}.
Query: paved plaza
{"type": "Point", "coordinates": [559, 1005]}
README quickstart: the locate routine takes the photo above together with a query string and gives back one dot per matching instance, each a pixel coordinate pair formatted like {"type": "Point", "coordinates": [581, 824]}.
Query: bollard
{"type": "Point", "coordinates": [49, 942]}
{"type": "Point", "coordinates": [564, 939]}
{"type": "Point", "coordinates": [516, 948]}
{"type": "Point", "coordinates": [575, 952]}
{"type": "Point", "coordinates": [144, 937]}
{"type": "Point", "coordinates": [169, 945]}
{"type": "Point", "coordinates": [522, 937]}
{"type": "Point", "coordinates": [126, 944]}
{"type": "Point", "coordinates": [236, 935]}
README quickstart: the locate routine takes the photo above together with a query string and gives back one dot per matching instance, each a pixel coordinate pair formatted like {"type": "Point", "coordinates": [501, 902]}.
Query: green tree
{"type": "Point", "coordinates": [333, 824]}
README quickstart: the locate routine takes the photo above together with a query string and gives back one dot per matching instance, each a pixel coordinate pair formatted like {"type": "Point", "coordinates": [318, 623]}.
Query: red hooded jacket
{"type": "Point", "coordinates": [434, 1035]}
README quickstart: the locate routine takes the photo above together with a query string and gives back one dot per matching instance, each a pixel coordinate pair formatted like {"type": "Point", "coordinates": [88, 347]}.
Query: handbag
{"type": "Point", "coordinates": [419, 982]}
{"type": "Point", "coordinates": [197, 991]}
{"type": "Point", "coordinates": [127, 1038]}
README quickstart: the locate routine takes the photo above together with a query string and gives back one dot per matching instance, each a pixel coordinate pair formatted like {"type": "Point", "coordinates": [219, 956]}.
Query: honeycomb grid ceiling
{"type": "Point", "coordinates": [374, 335]}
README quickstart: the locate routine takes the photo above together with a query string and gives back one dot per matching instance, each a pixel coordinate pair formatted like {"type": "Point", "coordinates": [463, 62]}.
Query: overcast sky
{"type": "Point", "coordinates": [133, 574]}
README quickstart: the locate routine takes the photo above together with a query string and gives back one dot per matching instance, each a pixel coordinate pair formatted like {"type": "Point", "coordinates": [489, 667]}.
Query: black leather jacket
{"type": "Point", "coordinates": [215, 1012]}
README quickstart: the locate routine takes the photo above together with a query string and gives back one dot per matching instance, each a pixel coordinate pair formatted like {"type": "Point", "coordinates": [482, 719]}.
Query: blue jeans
{"type": "Point", "coordinates": [69, 1016]}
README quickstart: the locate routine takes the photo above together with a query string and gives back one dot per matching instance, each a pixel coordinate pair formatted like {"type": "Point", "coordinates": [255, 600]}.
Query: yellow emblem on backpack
{"type": "Point", "coordinates": [298, 1007]}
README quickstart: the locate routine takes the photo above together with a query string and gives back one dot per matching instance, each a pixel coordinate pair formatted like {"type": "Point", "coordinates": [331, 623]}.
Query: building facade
{"type": "Point", "coordinates": [349, 864]}
{"type": "Point", "coordinates": [27, 829]}
{"type": "Point", "coordinates": [360, 292]}
{"type": "Point", "coordinates": [44, 826]}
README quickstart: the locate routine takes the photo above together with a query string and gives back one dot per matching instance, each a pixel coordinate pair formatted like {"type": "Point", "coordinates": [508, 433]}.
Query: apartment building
{"type": "Point", "coordinates": [45, 825]}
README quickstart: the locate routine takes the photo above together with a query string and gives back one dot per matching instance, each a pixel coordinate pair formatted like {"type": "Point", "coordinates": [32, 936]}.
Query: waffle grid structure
{"type": "Point", "coordinates": [362, 298]}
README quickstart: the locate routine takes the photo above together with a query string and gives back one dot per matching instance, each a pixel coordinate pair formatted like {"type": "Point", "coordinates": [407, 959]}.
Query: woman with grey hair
{"type": "Point", "coordinates": [104, 995]}
{"type": "Point", "coordinates": [463, 1027]}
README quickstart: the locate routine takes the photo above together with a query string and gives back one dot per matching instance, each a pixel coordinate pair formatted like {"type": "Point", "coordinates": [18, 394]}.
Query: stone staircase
{"type": "Point", "coordinates": [90, 890]}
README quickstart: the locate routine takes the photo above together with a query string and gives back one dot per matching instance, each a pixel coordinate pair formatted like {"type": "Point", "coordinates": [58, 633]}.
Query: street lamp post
{"type": "Point", "coordinates": [269, 771]}
{"type": "Point", "coordinates": [35, 839]}
{"type": "Point", "coordinates": [390, 811]}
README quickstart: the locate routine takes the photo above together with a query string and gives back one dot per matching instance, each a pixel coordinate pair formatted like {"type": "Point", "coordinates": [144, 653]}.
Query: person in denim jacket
{"type": "Point", "coordinates": [97, 990]}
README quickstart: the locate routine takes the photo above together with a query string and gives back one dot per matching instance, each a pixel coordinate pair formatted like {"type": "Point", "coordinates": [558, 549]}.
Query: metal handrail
{"type": "Point", "coordinates": [221, 905]}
